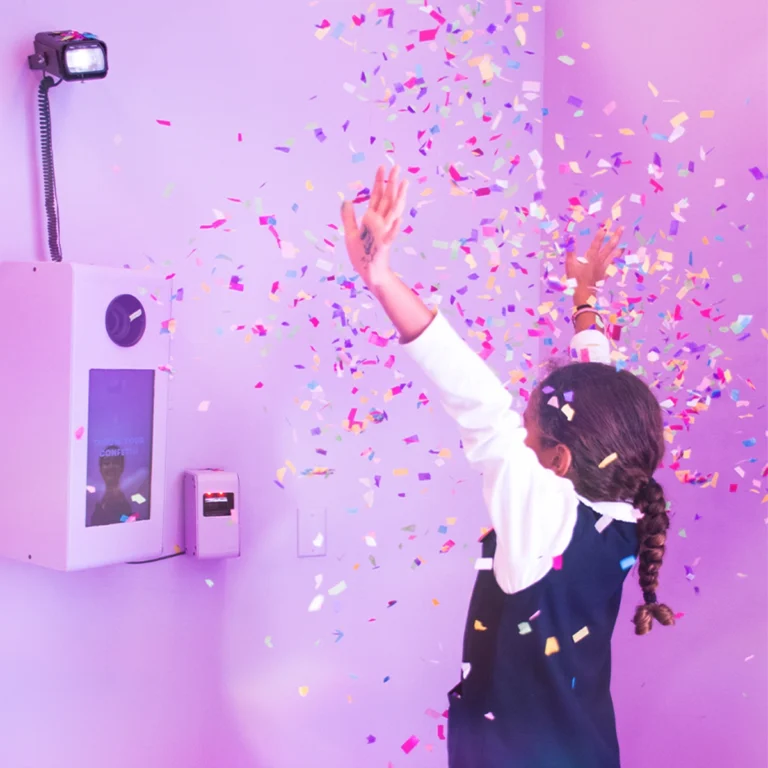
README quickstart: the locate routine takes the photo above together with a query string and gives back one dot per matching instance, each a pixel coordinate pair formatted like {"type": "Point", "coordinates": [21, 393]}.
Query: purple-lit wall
{"type": "Point", "coordinates": [695, 694]}
{"type": "Point", "coordinates": [152, 666]}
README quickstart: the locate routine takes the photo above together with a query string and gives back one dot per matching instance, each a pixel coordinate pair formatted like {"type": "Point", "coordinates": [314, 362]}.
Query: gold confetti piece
{"type": "Point", "coordinates": [559, 140]}
{"type": "Point", "coordinates": [608, 460]}
{"type": "Point", "coordinates": [678, 119]}
{"type": "Point", "coordinates": [653, 88]}
{"type": "Point", "coordinates": [479, 626]}
{"type": "Point", "coordinates": [626, 132]}
{"type": "Point", "coordinates": [581, 634]}
{"type": "Point", "coordinates": [400, 472]}
{"type": "Point", "coordinates": [435, 601]}
{"type": "Point", "coordinates": [552, 646]}
{"type": "Point", "coordinates": [303, 690]}
{"type": "Point", "coordinates": [568, 411]}
{"type": "Point", "coordinates": [309, 185]}
{"type": "Point", "coordinates": [707, 113]}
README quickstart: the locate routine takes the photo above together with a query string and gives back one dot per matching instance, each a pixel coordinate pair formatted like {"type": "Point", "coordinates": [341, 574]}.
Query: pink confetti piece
{"type": "Point", "coordinates": [79, 432]}
{"type": "Point", "coordinates": [377, 340]}
{"type": "Point", "coordinates": [557, 562]}
{"type": "Point", "coordinates": [215, 225]}
{"type": "Point", "coordinates": [164, 122]}
{"type": "Point", "coordinates": [410, 744]}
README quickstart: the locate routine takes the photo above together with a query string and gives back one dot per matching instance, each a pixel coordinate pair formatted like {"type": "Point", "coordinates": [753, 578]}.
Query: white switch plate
{"type": "Point", "coordinates": [312, 532]}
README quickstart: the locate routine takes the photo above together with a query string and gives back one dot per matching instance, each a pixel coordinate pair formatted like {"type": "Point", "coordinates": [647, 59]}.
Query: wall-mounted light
{"type": "Point", "coordinates": [70, 55]}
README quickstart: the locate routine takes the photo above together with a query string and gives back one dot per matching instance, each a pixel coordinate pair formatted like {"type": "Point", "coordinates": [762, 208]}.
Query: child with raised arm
{"type": "Point", "coordinates": [571, 496]}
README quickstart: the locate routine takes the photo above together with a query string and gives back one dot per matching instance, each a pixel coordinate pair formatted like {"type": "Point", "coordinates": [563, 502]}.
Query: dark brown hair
{"type": "Point", "coordinates": [612, 412]}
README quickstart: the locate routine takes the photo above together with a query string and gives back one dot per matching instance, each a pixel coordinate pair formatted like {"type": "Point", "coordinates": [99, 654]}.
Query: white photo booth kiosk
{"type": "Point", "coordinates": [83, 400]}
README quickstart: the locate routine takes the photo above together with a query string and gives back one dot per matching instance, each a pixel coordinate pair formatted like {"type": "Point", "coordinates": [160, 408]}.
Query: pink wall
{"type": "Point", "coordinates": [210, 691]}
{"type": "Point", "coordinates": [695, 695]}
{"type": "Point", "coordinates": [216, 693]}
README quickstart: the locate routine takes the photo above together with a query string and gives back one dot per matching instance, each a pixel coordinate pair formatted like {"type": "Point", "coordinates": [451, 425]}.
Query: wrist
{"type": "Point", "coordinates": [583, 295]}
{"type": "Point", "coordinates": [379, 280]}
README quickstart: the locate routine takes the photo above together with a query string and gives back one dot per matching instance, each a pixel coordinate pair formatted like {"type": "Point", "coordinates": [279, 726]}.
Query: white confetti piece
{"type": "Point", "coordinates": [338, 588]}
{"type": "Point", "coordinates": [581, 634]}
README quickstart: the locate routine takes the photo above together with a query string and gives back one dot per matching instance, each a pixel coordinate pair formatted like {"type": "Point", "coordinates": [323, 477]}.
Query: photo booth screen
{"type": "Point", "coordinates": [119, 473]}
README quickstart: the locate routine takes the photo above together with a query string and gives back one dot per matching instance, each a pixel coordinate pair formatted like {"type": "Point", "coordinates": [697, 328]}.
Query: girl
{"type": "Point", "coordinates": [573, 502]}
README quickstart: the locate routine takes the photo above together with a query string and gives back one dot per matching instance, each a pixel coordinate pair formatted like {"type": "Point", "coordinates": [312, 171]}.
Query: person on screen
{"type": "Point", "coordinates": [114, 505]}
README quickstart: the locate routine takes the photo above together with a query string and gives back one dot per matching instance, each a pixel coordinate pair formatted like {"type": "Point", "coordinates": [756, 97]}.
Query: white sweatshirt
{"type": "Point", "coordinates": [532, 509]}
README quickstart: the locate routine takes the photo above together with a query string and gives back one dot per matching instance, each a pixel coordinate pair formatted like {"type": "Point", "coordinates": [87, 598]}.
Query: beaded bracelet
{"type": "Point", "coordinates": [584, 311]}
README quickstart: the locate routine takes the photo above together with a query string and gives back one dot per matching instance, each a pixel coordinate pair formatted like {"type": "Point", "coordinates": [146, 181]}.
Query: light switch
{"type": "Point", "coordinates": [312, 532]}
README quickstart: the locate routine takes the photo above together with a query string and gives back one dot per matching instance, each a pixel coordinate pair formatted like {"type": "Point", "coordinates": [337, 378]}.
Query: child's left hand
{"type": "Point", "coordinates": [368, 245]}
{"type": "Point", "coordinates": [590, 270]}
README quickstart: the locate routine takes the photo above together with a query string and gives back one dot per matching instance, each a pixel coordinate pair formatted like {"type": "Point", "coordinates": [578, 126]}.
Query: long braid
{"type": "Point", "coordinates": [652, 536]}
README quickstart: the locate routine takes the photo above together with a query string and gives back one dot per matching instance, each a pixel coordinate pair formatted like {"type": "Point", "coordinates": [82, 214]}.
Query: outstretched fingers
{"type": "Point", "coordinates": [390, 193]}
{"type": "Point", "coordinates": [377, 193]}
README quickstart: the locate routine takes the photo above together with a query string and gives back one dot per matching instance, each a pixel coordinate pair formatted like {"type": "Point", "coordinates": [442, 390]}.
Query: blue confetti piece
{"type": "Point", "coordinates": [627, 562]}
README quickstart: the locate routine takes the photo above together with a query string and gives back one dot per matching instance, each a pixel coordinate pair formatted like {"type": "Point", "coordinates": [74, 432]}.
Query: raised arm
{"type": "Point", "coordinates": [469, 390]}
{"type": "Point", "coordinates": [589, 343]}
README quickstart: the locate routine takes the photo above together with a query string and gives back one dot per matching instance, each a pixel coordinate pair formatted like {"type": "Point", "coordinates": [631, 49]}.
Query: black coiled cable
{"type": "Point", "coordinates": [49, 176]}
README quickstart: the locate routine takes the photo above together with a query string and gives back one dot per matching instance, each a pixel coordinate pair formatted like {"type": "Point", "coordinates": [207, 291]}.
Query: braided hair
{"type": "Point", "coordinates": [613, 412]}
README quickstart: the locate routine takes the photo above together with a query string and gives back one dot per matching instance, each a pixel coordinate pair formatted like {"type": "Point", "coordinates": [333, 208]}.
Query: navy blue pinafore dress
{"type": "Point", "coordinates": [537, 693]}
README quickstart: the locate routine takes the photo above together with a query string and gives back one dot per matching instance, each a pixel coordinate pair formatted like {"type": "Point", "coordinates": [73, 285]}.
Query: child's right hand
{"type": "Point", "coordinates": [368, 245]}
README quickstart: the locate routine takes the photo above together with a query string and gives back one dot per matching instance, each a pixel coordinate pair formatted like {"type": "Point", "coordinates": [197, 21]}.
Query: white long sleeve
{"type": "Point", "coordinates": [591, 346]}
{"type": "Point", "coordinates": [532, 509]}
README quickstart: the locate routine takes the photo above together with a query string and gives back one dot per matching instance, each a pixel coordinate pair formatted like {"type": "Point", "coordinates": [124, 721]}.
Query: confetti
{"type": "Point", "coordinates": [627, 562]}
{"type": "Point", "coordinates": [609, 459]}
{"type": "Point", "coordinates": [581, 634]}
{"type": "Point", "coordinates": [552, 646]}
